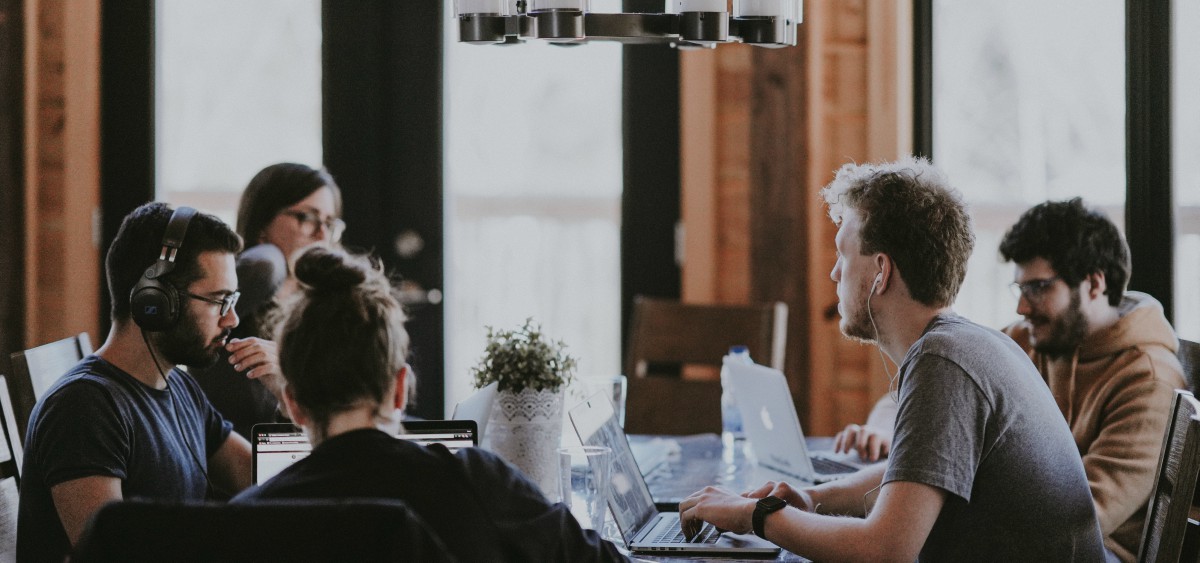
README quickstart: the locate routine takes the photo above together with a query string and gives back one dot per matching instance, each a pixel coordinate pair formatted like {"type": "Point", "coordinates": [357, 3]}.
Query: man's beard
{"type": "Point", "coordinates": [858, 325]}
{"type": "Point", "coordinates": [1066, 332]}
{"type": "Point", "coordinates": [184, 344]}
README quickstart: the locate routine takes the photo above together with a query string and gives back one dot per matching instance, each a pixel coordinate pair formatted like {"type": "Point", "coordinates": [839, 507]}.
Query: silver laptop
{"type": "Point", "coordinates": [276, 445]}
{"type": "Point", "coordinates": [642, 526]}
{"type": "Point", "coordinates": [477, 407]}
{"type": "Point", "coordinates": [771, 425]}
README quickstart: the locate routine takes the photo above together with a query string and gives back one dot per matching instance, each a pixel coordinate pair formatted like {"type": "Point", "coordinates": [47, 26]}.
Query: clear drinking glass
{"type": "Point", "coordinates": [584, 483]}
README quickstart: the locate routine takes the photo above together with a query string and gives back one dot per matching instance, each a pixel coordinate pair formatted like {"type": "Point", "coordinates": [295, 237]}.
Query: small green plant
{"type": "Point", "coordinates": [523, 359]}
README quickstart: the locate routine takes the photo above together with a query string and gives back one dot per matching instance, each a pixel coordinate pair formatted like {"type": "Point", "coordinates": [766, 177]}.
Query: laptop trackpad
{"type": "Point", "coordinates": [730, 539]}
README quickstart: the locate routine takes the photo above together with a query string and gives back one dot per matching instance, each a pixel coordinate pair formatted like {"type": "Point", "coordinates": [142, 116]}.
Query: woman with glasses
{"type": "Point", "coordinates": [285, 208]}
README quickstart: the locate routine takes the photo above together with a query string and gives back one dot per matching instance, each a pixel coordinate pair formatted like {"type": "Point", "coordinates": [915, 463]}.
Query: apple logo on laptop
{"type": "Point", "coordinates": [766, 418]}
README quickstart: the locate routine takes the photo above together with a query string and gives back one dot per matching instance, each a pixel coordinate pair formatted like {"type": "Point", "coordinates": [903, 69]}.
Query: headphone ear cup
{"type": "Point", "coordinates": [154, 305]}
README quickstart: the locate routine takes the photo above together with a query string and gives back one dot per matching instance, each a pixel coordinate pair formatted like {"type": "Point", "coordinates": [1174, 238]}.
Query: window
{"type": "Point", "coordinates": [1029, 105]}
{"type": "Point", "coordinates": [1185, 133]}
{"type": "Point", "coordinates": [238, 87]}
{"type": "Point", "coordinates": [533, 181]}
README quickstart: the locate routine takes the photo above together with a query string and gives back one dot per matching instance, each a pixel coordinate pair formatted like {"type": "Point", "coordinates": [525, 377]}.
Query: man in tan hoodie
{"type": "Point", "coordinates": [1108, 356]}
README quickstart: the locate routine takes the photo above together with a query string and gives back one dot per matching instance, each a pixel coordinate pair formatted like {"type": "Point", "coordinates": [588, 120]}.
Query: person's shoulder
{"type": "Point", "coordinates": [951, 334]}
{"type": "Point", "coordinates": [90, 376]}
{"type": "Point", "coordinates": [1143, 366]}
{"type": "Point", "coordinates": [249, 495]}
{"type": "Point", "coordinates": [261, 269]}
{"type": "Point", "coordinates": [483, 464]}
{"type": "Point", "coordinates": [264, 255]}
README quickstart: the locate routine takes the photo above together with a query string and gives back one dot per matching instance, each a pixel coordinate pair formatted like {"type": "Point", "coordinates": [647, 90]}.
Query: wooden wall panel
{"type": "Point", "coordinates": [785, 119]}
{"type": "Point", "coordinates": [62, 155]}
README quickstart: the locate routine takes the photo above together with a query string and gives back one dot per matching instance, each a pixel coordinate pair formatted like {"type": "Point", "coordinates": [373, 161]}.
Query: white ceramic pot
{"type": "Point", "coordinates": [525, 430]}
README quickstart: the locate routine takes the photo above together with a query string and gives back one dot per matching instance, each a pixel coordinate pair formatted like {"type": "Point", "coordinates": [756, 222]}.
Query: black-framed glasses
{"type": "Point", "coordinates": [310, 221]}
{"type": "Point", "coordinates": [1033, 290]}
{"type": "Point", "coordinates": [226, 302]}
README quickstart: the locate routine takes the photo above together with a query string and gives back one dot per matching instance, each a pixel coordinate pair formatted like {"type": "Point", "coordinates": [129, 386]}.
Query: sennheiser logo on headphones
{"type": "Point", "coordinates": [150, 309]}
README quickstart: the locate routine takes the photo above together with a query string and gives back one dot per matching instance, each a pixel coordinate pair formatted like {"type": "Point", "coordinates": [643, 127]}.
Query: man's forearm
{"type": "Point", "coordinates": [848, 496]}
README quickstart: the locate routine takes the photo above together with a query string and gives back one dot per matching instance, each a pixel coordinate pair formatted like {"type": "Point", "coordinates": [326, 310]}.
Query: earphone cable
{"type": "Point", "coordinates": [893, 391]}
{"type": "Point", "coordinates": [175, 415]}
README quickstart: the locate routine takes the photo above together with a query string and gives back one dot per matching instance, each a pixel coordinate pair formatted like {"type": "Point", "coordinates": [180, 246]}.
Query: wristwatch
{"type": "Point", "coordinates": [764, 507]}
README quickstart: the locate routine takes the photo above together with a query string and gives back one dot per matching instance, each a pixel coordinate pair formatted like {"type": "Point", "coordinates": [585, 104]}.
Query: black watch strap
{"type": "Point", "coordinates": [765, 506]}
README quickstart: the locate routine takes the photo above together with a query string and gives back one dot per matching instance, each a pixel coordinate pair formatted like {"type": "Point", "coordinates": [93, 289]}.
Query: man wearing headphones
{"type": "Point", "coordinates": [125, 421]}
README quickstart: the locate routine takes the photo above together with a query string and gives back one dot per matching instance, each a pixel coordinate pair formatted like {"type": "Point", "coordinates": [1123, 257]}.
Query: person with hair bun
{"type": "Point", "coordinates": [342, 347]}
{"type": "Point", "coordinates": [284, 208]}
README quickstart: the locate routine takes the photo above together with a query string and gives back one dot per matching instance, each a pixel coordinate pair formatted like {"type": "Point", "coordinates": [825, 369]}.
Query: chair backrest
{"type": "Point", "coordinates": [1178, 470]}
{"type": "Point", "coordinates": [292, 530]}
{"type": "Point", "coordinates": [1189, 356]}
{"type": "Point", "coordinates": [36, 369]}
{"type": "Point", "coordinates": [16, 453]}
{"type": "Point", "coordinates": [666, 332]}
{"type": "Point", "coordinates": [9, 501]}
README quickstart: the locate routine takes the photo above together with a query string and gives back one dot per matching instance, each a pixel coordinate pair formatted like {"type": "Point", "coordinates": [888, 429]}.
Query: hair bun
{"type": "Point", "coordinates": [326, 269]}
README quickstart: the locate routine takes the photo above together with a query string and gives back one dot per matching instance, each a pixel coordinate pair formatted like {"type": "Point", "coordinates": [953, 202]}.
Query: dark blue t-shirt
{"type": "Point", "coordinates": [482, 508]}
{"type": "Point", "coordinates": [100, 421]}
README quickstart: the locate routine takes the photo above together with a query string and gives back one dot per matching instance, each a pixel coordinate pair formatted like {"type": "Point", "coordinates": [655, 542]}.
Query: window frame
{"type": "Point", "coordinates": [1148, 193]}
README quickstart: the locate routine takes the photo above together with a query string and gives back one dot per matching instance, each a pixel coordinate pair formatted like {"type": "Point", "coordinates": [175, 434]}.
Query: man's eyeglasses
{"type": "Point", "coordinates": [1033, 290]}
{"type": "Point", "coordinates": [226, 302]}
{"type": "Point", "coordinates": [311, 221]}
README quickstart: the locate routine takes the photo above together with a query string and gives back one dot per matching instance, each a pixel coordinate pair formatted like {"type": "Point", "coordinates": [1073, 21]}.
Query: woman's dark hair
{"type": "Point", "coordinates": [1075, 240]}
{"type": "Point", "coordinates": [276, 188]}
{"type": "Point", "coordinates": [342, 338]}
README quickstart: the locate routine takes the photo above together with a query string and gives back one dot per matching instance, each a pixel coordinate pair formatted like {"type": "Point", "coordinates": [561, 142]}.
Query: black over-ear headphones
{"type": "Point", "coordinates": [154, 304]}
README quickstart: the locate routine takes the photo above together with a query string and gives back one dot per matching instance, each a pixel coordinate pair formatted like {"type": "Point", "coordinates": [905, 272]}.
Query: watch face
{"type": "Point", "coordinates": [771, 504]}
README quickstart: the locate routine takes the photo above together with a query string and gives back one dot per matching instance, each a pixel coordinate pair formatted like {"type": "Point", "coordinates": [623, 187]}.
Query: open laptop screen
{"type": "Point", "coordinates": [278, 445]}
{"type": "Point", "coordinates": [595, 421]}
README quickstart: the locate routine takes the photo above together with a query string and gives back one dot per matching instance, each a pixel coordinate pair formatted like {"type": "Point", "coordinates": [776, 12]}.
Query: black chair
{"type": "Point", "coordinates": [294, 530]}
{"type": "Point", "coordinates": [1178, 469]}
{"type": "Point", "coordinates": [36, 369]}
{"type": "Point", "coordinates": [1189, 356]}
{"type": "Point", "coordinates": [666, 333]}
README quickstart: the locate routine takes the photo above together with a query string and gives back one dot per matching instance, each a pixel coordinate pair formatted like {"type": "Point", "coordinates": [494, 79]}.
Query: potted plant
{"type": "Point", "coordinates": [530, 373]}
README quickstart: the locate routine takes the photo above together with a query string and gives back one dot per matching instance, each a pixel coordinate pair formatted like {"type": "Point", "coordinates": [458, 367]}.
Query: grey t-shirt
{"type": "Point", "coordinates": [976, 420]}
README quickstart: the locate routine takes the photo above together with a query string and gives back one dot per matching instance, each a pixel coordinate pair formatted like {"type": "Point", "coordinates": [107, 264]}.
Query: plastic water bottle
{"type": "Point", "coordinates": [731, 415]}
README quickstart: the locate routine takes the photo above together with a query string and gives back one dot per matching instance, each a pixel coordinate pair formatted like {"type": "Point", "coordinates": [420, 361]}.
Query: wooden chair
{"type": "Point", "coordinates": [16, 453]}
{"type": "Point", "coordinates": [36, 369]}
{"type": "Point", "coordinates": [1178, 469]}
{"type": "Point", "coordinates": [668, 334]}
{"type": "Point", "coordinates": [1189, 356]}
{"type": "Point", "coordinates": [282, 530]}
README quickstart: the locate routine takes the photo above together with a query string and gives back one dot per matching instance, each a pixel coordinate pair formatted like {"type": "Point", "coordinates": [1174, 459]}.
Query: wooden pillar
{"type": "Point", "coordinates": [762, 132]}
{"type": "Point", "coordinates": [62, 168]}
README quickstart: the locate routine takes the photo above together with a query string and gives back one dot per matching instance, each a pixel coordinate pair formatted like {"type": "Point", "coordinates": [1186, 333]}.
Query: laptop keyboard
{"type": "Point", "coordinates": [829, 467]}
{"type": "Point", "coordinates": [674, 534]}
